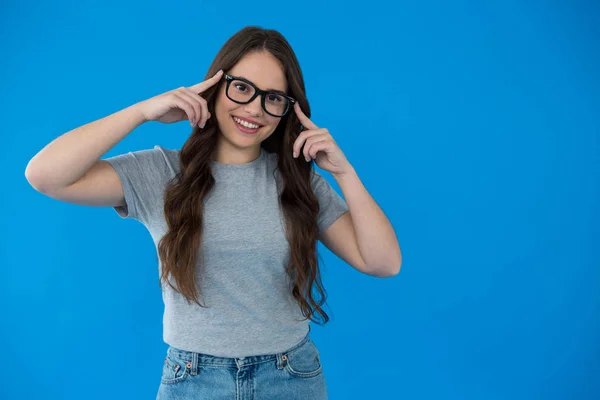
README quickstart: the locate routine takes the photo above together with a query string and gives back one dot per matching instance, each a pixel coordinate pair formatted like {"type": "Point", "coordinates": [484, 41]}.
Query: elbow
{"type": "Point", "coordinates": [30, 175]}
{"type": "Point", "coordinates": [34, 179]}
{"type": "Point", "coordinates": [38, 178]}
{"type": "Point", "coordinates": [395, 271]}
{"type": "Point", "coordinates": [391, 268]}
{"type": "Point", "coordinates": [387, 271]}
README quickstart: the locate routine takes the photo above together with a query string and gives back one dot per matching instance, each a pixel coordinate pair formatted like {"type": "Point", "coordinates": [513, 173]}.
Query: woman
{"type": "Point", "coordinates": [235, 216]}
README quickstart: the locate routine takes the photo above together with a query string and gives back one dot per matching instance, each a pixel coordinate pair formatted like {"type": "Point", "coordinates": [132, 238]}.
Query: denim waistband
{"type": "Point", "coordinates": [193, 359]}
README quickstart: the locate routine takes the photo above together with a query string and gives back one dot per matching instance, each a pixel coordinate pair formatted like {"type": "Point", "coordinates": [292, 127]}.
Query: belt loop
{"type": "Point", "coordinates": [194, 363]}
{"type": "Point", "coordinates": [280, 360]}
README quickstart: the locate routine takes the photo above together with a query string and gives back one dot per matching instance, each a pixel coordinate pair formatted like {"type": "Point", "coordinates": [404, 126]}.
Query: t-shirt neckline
{"type": "Point", "coordinates": [248, 165]}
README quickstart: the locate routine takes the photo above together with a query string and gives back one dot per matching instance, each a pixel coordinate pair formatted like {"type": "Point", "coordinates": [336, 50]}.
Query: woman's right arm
{"type": "Point", "coordinates": [69, 168]}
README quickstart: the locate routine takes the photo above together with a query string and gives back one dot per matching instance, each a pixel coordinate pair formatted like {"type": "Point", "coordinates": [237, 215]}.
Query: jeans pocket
{"type": "Point", "coordinates": [174, 370]}
{"type": "Point", "coordinates": [304, 362]}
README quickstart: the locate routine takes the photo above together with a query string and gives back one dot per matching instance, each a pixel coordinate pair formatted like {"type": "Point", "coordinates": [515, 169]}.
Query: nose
{"type": "Point", "coordinates": [254, 108]}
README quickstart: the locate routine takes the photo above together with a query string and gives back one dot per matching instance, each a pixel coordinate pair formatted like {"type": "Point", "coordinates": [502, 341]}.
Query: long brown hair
{"type": "Point", "coordinates": [184, 195]}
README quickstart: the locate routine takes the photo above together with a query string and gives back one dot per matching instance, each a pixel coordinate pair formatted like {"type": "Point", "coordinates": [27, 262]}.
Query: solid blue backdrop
{"type": "Point", "coordinates": [475, 127]}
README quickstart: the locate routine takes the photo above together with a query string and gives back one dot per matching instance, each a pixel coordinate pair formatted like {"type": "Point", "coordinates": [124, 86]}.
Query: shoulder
{"type": "Point", "coordinates": [169, 156]}
{"type": "Point", "coordinates": [154, 164]}
{"type": "Point", "coordinates": [165, 160]}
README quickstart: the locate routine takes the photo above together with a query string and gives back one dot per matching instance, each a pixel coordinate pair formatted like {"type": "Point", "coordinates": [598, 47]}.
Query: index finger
{"type": "Point", "coordinates": [307, 123]}
{"type": "Point", "coordinates": [202, 86]}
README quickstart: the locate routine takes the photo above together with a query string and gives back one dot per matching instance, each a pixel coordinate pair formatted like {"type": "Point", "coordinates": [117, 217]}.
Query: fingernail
{"type": "Point", "coordinates": [203, 125]}
{"type": "Point", "coordinates": [307, 159]}
{"type": "Point", "coordinates": [295, 154]}
{"type": "Point", "coordinates": [192, 122]}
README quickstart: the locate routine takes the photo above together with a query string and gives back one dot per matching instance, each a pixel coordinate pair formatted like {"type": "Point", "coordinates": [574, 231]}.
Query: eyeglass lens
{"type": "Point", "coordinates": [241, 91]}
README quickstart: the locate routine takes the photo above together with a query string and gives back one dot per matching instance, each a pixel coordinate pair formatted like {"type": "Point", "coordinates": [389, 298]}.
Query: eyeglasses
{"type": "Point", "coordinates": [242, 91]}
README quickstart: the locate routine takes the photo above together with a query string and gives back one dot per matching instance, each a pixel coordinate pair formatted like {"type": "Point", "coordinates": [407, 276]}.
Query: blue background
{"type": "Point", "coordinates": [474, 126]}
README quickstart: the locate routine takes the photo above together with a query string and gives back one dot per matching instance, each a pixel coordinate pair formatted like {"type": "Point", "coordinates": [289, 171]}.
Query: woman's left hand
{"type": "Point", "coordinates": [320, 146]}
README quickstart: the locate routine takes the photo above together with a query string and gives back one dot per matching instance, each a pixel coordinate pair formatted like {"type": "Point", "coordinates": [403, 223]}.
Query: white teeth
{"type": "Point", "coordinates": [244, 123]}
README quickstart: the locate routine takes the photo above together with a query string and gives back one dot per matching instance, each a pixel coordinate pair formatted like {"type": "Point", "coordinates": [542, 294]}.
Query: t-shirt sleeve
{"type": "Point", "coordinates": [141, 174]}
{"type": "Point", "coordinates": [331, 204]}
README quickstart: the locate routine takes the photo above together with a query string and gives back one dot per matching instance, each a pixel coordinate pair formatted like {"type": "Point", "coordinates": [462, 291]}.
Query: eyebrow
{"type": "Point", "coordinates": [268, 90]}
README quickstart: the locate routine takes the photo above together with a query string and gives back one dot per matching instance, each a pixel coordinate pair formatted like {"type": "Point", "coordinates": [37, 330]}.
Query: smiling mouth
{"type": "Point", "coordinates": [245, 126]}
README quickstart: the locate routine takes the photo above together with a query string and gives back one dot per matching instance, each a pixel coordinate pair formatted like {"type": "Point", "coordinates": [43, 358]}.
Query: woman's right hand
{"type": "Point", "coordinates": [180, 104]}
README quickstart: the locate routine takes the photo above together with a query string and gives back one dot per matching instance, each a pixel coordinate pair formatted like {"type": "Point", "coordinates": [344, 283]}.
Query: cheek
{"type": "Point", "coordinates": [273, 122]}
{"type": "Point", "coordinates": [223, 104]}
{"type": "Point", "coordinates": [223, 108]}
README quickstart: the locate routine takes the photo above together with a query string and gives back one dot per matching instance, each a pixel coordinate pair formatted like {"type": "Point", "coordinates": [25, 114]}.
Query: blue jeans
{"type": "Point", "coordinates": [294, 374]}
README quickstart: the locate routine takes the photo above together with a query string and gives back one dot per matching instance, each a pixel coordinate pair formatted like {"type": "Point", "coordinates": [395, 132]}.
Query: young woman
{"type": "Point", "coordinates": [235, 215]}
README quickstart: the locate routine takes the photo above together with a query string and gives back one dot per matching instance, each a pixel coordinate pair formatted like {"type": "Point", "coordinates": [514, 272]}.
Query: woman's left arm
{"type": "Point", "coordinates": [375, 236]}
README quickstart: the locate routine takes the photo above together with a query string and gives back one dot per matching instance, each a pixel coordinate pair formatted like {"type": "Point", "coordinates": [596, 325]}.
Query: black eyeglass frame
{"type": "Point", "coordinates": [258, 92]}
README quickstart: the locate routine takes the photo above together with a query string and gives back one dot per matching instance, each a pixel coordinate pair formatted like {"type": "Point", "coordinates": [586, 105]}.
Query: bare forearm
{"type": "Point", "coordinates": [376, 238]}
{"type": "Point", "coordinates": [68, 157]}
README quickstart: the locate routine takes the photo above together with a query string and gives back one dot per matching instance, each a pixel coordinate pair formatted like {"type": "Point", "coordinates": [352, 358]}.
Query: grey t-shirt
{"type": "Point", "coordinates": [245, 251]}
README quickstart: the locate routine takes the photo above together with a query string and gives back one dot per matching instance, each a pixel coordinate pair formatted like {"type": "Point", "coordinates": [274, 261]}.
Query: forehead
{"type": "Point", "coordinates": [262, 69]}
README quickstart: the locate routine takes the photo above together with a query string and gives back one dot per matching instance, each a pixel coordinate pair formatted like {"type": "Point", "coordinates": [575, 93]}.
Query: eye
{"type": "Point", "coordinates": [241, 87]}
{"type": "Point", "coordinates": [274, 98]}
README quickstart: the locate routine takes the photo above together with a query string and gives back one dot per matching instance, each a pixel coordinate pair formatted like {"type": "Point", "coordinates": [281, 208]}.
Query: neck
{"type": "Point", "coordinates": [226, 154]}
